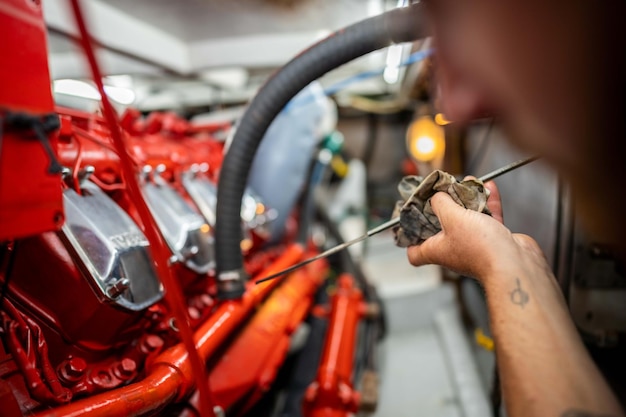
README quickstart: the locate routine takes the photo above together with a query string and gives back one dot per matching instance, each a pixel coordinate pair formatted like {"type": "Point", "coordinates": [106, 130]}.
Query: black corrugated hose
{"type": "Point", "coordinates": [395, 26]}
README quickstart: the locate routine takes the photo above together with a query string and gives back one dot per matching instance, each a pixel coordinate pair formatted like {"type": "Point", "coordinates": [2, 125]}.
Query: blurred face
{"type": "Point", "coordinates": [552, 71]}
{"type": "Point", "coordinates": [521, 60]}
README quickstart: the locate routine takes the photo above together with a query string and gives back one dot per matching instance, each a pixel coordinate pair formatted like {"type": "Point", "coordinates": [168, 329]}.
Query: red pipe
{"type": "Point", "coordinates": [262, 345]}
{"type": "Point", "coordinates": [170, 376]}
{"type": "Point", "coordinates": [331, 394]}
{"type": "Point", "coordinates": [160, 251]}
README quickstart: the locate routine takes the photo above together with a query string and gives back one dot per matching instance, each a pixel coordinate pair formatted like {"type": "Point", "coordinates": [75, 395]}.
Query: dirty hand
{"type": "Point", "coordinates": [470, 242]}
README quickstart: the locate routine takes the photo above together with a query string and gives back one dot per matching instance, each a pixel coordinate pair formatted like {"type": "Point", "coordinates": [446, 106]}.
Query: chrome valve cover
{"type": "Point", "coordinates": [110, 249]}
{"type": "Point", "coordinates": [254, 214]}
{"type": "Point", "coordinates": [204, 193]}
{"type": "Point", "coordinates": [184, 230]}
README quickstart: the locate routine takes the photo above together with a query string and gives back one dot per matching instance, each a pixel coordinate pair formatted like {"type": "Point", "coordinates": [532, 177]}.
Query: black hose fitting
{"type": "Point", "coordinates": [395, 26]}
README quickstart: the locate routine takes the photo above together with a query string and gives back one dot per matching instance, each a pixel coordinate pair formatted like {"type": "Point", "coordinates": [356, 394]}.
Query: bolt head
{"type": "Point", "coordinates": [73, 369]}
{"type": "Point", "coordinates": [125, 368]}
{"type": "Point", "coordinates": [151, 343]}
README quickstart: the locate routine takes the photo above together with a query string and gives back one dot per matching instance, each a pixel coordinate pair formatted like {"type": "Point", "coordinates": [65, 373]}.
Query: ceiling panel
{"type": "Point", "coordinates": [194, 20]}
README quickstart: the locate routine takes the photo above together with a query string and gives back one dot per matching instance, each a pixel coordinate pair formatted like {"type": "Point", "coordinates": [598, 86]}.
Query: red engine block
{"type": "Point", "coordinates": [84, 326]}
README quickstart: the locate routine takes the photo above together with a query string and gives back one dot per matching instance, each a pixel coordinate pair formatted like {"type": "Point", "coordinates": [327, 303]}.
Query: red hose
{"type": "Point", "coordinates": [160, 251]}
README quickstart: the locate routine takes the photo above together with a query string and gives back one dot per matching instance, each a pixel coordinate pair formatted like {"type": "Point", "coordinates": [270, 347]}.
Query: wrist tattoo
{"type": "Point", "coordinates": [581, 413]}
{"type": "Point", "coordinates": [520, 297]}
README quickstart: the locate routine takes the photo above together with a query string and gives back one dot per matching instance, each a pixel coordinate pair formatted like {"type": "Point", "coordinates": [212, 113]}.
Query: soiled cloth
{"type": "Point", "coordinates": [417, 220]}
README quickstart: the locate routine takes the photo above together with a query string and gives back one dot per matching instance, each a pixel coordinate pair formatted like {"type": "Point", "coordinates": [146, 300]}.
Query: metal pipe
{"type": "Point", "coordinates": [170, 376]}
{"type": "Point", "coordinates": [332, 394]}
{"type": "Point", "coordinates": [269, 333]}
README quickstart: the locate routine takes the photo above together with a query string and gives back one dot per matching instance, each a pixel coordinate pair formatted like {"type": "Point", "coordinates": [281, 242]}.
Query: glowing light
{"type": "Point", "coordinates": [246, 245]}
{"type": "Point", "coordinates": [425, 140]}
{"type": "Point", "coordinates": [391, 75]}
{"type": "Point", "coordinates": [205, 228]}
{"type": "Point", "coordinates": [260, 208]}
{"type": "Point", "coordinates": [424, 145]}
{"type": "Point", "coordinates": [441, 120]}
{"type": "Point", "coordinates": [76, 88]}
{"type": "Point", "coordinates": [83, 89]}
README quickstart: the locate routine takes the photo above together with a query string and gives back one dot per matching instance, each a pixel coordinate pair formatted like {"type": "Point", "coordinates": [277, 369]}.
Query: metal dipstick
{"type": "Point", "coordinates": [487, 177]}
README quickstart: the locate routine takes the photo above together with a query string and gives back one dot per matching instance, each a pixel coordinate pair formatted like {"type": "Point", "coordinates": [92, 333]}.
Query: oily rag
{"type": "Point", "coordinates": [417, 220]}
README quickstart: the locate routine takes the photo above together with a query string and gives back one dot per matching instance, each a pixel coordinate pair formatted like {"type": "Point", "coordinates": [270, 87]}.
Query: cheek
{"type": "Point", "coordinates": [466, 64]}
{"type": "Point", "coordinates": [489, 59]}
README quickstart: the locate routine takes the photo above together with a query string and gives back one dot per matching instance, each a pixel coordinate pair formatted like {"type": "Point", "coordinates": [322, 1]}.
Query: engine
{"type": "Point", "coordinates": [113, 281]}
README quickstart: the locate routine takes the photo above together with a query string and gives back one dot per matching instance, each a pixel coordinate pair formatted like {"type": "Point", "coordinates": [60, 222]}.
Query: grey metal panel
{"type": "Point", "coordinates": [529, 194]}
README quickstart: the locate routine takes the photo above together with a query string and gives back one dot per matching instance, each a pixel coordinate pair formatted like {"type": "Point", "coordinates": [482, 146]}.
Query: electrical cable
{"type": "Point", "coordinates": [307, 207]}
{"type": "Point", "coordinates": [86, 135]}
{"type": "Point", "coordinates": [371, 140]}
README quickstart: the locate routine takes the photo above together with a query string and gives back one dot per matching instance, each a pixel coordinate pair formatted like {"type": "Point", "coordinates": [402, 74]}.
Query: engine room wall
{"type": "Point", "coordinates": [379, 141]}
{"type": "Point", "coordinates": [529, 195]}
{"type": "Point", "coordinates": [383, 152]}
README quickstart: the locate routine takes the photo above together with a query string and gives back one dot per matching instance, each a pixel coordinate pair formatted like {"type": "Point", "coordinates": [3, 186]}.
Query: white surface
{"type": "Point", "coordinates": [427, 367]}
{"type": "Point", "coordinates": [388, 267]}
{"type": "Point", "coordinates": [414, 380]}
{"type": "Point", "coordinates": [190, 38]}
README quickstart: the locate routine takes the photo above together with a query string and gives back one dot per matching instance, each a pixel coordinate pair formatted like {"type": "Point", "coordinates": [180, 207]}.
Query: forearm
{"type": "Point", "coordinates": [544, 368]}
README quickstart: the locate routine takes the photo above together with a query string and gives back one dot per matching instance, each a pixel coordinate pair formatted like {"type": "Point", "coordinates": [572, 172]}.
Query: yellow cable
{"type": "Point", "coordinates": [483, 340]}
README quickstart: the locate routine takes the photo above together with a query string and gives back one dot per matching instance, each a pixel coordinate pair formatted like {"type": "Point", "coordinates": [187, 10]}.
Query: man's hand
{"type": "Point", "coordinates": [471, 243]}
{"type": "Point", "coordinates": [544, 367]}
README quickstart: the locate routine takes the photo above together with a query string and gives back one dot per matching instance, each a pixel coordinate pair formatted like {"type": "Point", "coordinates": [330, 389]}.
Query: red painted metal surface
{"type": "Point", "coordinates": [246, 371]}
{"type": "Point", "coordinates": [91, 327]}
{"type": "Point", "coordinates": [85, 139]}
{"type": "Point", "coordinates": [30, 197]}
{"type": "Point", "coordinates": [26, 81]}
{"type": "Point", "coordinates": [64, 351]}
{"type": "Point", "coordinates": [170, 376]}
{"type": "Point", "coordinates": [332, 393]}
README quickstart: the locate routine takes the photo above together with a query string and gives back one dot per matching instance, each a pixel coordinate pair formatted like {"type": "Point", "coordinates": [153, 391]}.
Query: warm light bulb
{"type": "Point", "coordinates": [425, 145]}
{"type": "Point", "coordinates": [425, 140]}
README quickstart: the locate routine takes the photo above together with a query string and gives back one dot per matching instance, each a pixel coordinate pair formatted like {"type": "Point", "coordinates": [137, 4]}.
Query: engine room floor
{"type": "Point", "coordinates": [429, 365]}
